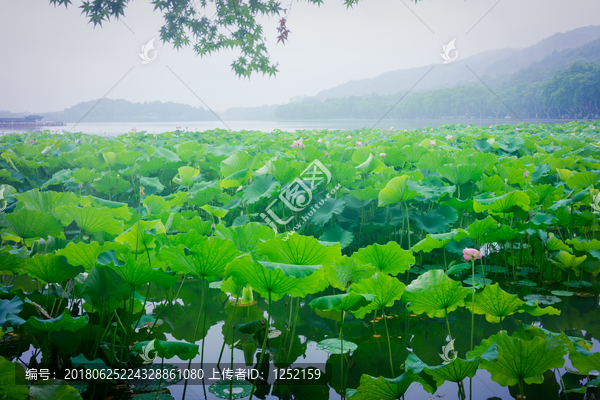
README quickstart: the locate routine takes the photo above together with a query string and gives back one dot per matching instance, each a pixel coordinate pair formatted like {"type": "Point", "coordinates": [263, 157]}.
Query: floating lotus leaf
{"type": "Point", "coordinates": [334, 346]}
{"type": "Point", "coordinates": [231, 389]}
{"type": "Point", "coordinates": [348, 302]}
{"type": "Point", "coordinates": [169, 349]}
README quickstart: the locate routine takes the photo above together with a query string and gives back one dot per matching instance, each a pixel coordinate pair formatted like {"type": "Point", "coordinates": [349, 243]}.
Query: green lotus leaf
{"type": "Point", "coordinates": [188, 239]}
{"type": "Point", "coordinates": [496, 304]}
{"type": "Point", "coordinates": [261, 186]}
{"type": "Point", "coordinates": [520, 359]}
{"type": "Point", "coordinates": [432, 242]}
{"type": "Point", "coordinates": [298, 250]}
{"type": "Point", "coordinates": [207, 259]}
{"type": "Point", "coordinates": [342, 173]}
{"type": "Point", "coordinates": [337, 346]}
{"type": "Point", "coordinates": [348, 302]}
{"type": "Point", "coordinates": [169, 349]}
{"type": "Point", "coordinates": [92, 220]}
{"type": "Point", "coordinates": [432, 160]}
{"type": "Point", "coordinates": [10, 307]}
{"type": "Point", "coordinates": [231, 389]}
{"type": "Point", "coordinates": [513, 176]}
{"type": "Point", "coordinates": [382, 388]}
{"type": "Point", "coordinates": [335, 233]}
{"type": "Point", "coordinates": [140, 272]}
{"type": "Point", "coordinates": [569, 260]}
{"type": "Point", "coordinates": [139, 238]}
{"type": "Point", "coordinates": [543, 219]}
{"type": "Point", "coordinates": [371, 165]}
{"type": "Point", "coordinates": [82, 254]}
{"type": "Point", "coordinates": [59, 177]}
{"type": "Point", "coordinates": [344, 271]}
{"type": "Point", "coordinates": [63, 322]}
{"type": "Point", "coordinates": [554, 244]}
{"type": "Point", "coordinates": [11, 263]}
{"type": "Point", "coordinates": [46, 202]}
{"type": "Point", "coordinates": [534, 309]}
{"type": "Point", "coordinates": [583, 180]}
{"type": "Point", "coordinates": [53, 389]}
{"type": "Point", "coordinates": [196, 224]}
{"type": "Point", "coordinates": [282, 171]}
{"type": "Point", "coordinates": [455, 371]}
{"type": "Point", "coordinates": [396, 190]}
{"type": "Point", "coordinates": [91, 161]}
{"type": "Point", "coordinates": [325, 211]}
{"type": "Point", "coordinates": [584, 360]}
{"type": "Point", "coordinates": [385, 288]}
{"type": "Point", "coordinates": [203, 193]}
{"type": "Point", "coordinates": [510, 144]}
{"type": "Point", "coordinates": [111, 158]}
{"type": "Point", "coordinates": [236, 163]}
{"type": "Point", "coordinates": [128, 158]}
{"type": "Point", "coordinates": [435, 221]}
{"type": "Point", "coordinates": [102, 285]}
{"type": "Point", "coordinates": [51, 268]}
{"type": "Point", "coordinates": [151, 182]}
{"type": "Point", "coordinates": [190, 150]}
{"type": "Point", "coordinates": [435, 294]}
{"type": "Point", "coordinates": [10, 374]}
{"type": "Point", "coordinates": [214, 211]}
{"type": "Point", "coordinates": [413, 153]}
{"type": "Point", "coordinates": [30, 224]}
{"type": "Point", "coordinates": [111, 184]}
{"type": "Point", "coordinates": [246, 237]}
{"type": "Point", "coordinates": [275, 282]}
{"type": "Point", "coordinates": [186, 176]}
{"type": "Point", "coordinates": [236, 179]}
{"type": "Point", "coordinates": [503, 204]}
{"type": "Point", "coordinates": [84, 175]}
{"type": "Point", "coordinates": [361, 155]}
{"type": "Point", "coordinates": [389, 258]}
{"type": "Point", "coordinates": [155, 204]}
{"type": "Point", "coordinates": [460, 174]}
{"type": "Point", "coordinates": [504, 234]}
{"type": "Point", "coordinates": [165, 154]}
{"type": "Point", "coordinates": [584, 245]}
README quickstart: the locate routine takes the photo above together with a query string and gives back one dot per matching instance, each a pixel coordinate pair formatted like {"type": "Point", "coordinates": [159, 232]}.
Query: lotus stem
{"type": "Point", "coordinates": [293, 330]}
{"type": "Point", "coordinates": [388, 340]}
{"type": "Point", "coordinates": [204, 323]}
{"type": "Point", "coordinates": [264, 346]}
{"type": "Point", "coordinates": [194, 338]}
{"type": "Point", "coordinates": [342, 356]}
{"type": "Point", "coordinates": [472, 302]}
{"type": "Point", "coordinates": [229, 327]}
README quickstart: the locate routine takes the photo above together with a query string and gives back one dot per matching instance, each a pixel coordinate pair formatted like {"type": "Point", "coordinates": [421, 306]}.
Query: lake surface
{"type": "Point", "coordinates": [116, 128]}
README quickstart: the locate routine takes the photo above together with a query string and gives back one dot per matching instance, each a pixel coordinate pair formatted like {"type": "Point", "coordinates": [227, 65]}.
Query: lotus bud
{"type": "Point", "coordinates": [471, 254]}
{"type": "Point", "coordinates": [525, 174]}
{"type": "Point", "coordinates": [432, 143]}
{"type": "Point", "coordinates": [478, 148]}
{"type": "Point", "coordinates": [213, 226]}
{"type": "Point", "coordinates": [250, 181]}
{"type": "Point", "coordinates": [468, 126]}
{"type": "Point", "coordinates": [326, 154]}
{"type": "Point", "coordinates": [31, 141]}
{"type": "Point", "coordinates": [80, 185]}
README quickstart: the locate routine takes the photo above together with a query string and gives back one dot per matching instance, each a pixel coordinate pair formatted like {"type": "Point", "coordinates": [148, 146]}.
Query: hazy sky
{"type": "Point", "coordinates": [51, 58]}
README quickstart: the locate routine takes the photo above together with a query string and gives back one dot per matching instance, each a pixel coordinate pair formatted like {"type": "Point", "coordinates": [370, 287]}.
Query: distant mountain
{"type": "Point", "coordinates": [109, 110]}
{"type": "Point", "coordinates": [494, 64]}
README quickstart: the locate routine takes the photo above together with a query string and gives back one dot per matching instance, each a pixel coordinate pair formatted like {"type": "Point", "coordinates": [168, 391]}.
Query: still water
{"type": "Point", "coordinates": [116, 128]}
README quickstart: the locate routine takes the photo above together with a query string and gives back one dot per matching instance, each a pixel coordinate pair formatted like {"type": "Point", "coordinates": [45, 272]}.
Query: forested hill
{"type": "Point", "coordinates": [498, 64]}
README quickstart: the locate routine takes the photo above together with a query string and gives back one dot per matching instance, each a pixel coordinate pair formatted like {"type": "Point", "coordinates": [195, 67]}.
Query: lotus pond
{"type": "Point", "coordinates": [452, 262]}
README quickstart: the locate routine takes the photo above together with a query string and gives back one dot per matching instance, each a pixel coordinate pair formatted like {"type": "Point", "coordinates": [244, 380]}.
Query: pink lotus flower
{"type": "Point", "coordinates": [382, 155]}
{"type": "Point", "coordinates": [358, 143]}
{"type": "Point", "coordinates": [432, 143]}
{"type": "Point", "coordinates": [285, 137]}
{"type": "Point", "coordinates": [359, 133]}
{"type": "Point", "coordinates": [424, 131]}
{"type": "Point", "coordinates": [389, 132]}
{"type": "Point", "coordinates": [573, 134]}
{"type": "Point", "coordinates": [431, 130]}
{"type": "Point", "coordinates": [31, 141]}
{"type": "Point", "coordinates": [525, 174]}
{"type": "Point", "coordinates": [348, 137]}
{"type": "Point", "coordinates": [80, 186]}
{"type": "Point", "coordinates": [250, 181]}
{"type": "Point", "coordinates": [592, 127]}
{"type": "Point", "coordinates": [326, 154]}
{"type": "Point", "coordinates": [468, 126]}
{"type": "Point", "coordinates": [516, 129]}
{"type": "Point", "coordinates": [449, 137]}
{"type": "Point", "coordinates": [320, 140]}
{"type": "Point", "coordinates": [297, 143]}
{"type": "Point", "coordinates": [76, 140]}
{"type": "Point", "coordinates": [478, 148]}
{"type": "Point", "coordinates": [406, 131]}
{"type": "Point", "coordinates": [471, 254]}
